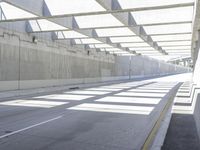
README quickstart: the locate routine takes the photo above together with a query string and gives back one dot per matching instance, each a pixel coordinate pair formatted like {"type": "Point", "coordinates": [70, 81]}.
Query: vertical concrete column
{"type": "Point", "coordinates": [1, 13]}
{"type": "Point", "coordinates": [184, 63]}
{"type": "Point", "coordinates": [197, 64]}
{"type": "Point", "coordinates": [19, 78]}
{"type": "Point", "coordinates": [130, 72]}
{"type": "Point", "coordinates": [187, 63]}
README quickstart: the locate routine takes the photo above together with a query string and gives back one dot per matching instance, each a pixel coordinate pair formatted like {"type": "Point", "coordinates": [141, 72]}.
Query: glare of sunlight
{"type": "Point", "coordinates": [149, 90]}
{"type": "Point", "coordinates": [159, 95]}
{"type": "Point", "coordinates": [87, 92]}
{"type": "Point", "coordinates": [114, 108]}
{"type": "Point", "coordinates": [115, 87]}
{"type": "Point", "coordinates": [138, 100]}
{"type": "Point", "coordinates": [106, 32]}
{"type": "Point", "coordinates": [104, 89]}
{"type": "Point", "coordinates": [33, 103]}
{"type": "Point", "coordinates": [153, 88]}
{"type": "Point", "coordinates": [126, 4]}
{"type": "Point", "coordinates": [92, 21]}
{"type": "Point", "coordinates": [175, 78]}
{"type": "Point", "coordinates": [12, 12]}
{"type": "Point", "coordinates": [184, 100]}
{"type": "Point", "coordinates": [177, 109]}
{"type": "Point", "coordinates": [65, 97]}
{"type": "Point", "coordinates": [183, 94]}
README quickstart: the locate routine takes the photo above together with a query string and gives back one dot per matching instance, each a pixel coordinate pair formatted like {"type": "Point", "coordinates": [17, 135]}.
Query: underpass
{"type": "Point", "coordinates": [114, 116]}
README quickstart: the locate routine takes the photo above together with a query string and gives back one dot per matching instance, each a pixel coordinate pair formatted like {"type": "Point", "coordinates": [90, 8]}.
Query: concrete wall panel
{"type": "Point", "coordinates": [24, 64]}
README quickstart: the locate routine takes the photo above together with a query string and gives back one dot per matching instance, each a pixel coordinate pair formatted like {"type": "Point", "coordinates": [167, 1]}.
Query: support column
{"type": "Point", "coordinates": [130, 70]}
{"type": "Point", "coordinates": [1, 13]}
{"type": "Point", "coordinates": [184, 63]}
{"type": "Point", "coordinates": [197, 64]}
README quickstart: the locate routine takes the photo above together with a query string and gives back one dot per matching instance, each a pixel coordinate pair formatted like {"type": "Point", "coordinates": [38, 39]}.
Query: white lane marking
{"type": "Point", "coordinates": [35, 125]}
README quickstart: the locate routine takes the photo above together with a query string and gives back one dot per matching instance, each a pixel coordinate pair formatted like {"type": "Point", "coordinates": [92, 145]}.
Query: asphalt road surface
{"type": "Point", "coordinates": [111, 117]}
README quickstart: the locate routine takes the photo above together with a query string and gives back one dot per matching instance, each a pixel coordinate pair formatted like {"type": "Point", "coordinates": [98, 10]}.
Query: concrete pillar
{"type": "Point", "coordinates": [196, 74]}
{"type": "Point", "coordinates": [130, 71]}
{"type": "Point", "coordinates": [1, 14]}
{"type": "Point", "coordinates": [184, 63]}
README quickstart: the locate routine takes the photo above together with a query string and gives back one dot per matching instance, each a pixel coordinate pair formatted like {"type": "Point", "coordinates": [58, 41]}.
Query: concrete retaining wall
{"type": "Point", "coordinates": [197, 112]}
{"type": "Point", "coordinates": [24, 64]}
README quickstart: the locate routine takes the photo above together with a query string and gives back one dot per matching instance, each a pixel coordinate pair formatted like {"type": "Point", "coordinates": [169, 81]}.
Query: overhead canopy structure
{"type": "Point", "coordinates": [159, 29]}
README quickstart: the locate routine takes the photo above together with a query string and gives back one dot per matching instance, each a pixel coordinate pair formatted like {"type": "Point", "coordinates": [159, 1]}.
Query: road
{"type": "Point", "coordinates": [111, 117]}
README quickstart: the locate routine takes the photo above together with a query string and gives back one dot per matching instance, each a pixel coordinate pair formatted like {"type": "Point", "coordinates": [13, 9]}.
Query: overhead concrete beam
{"type": "Point", "coordinates": [127, 19]}
{"type": "Point", "coordinates": [39, 8]}
{"type": "Point", "coordinates": [171, 33]}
